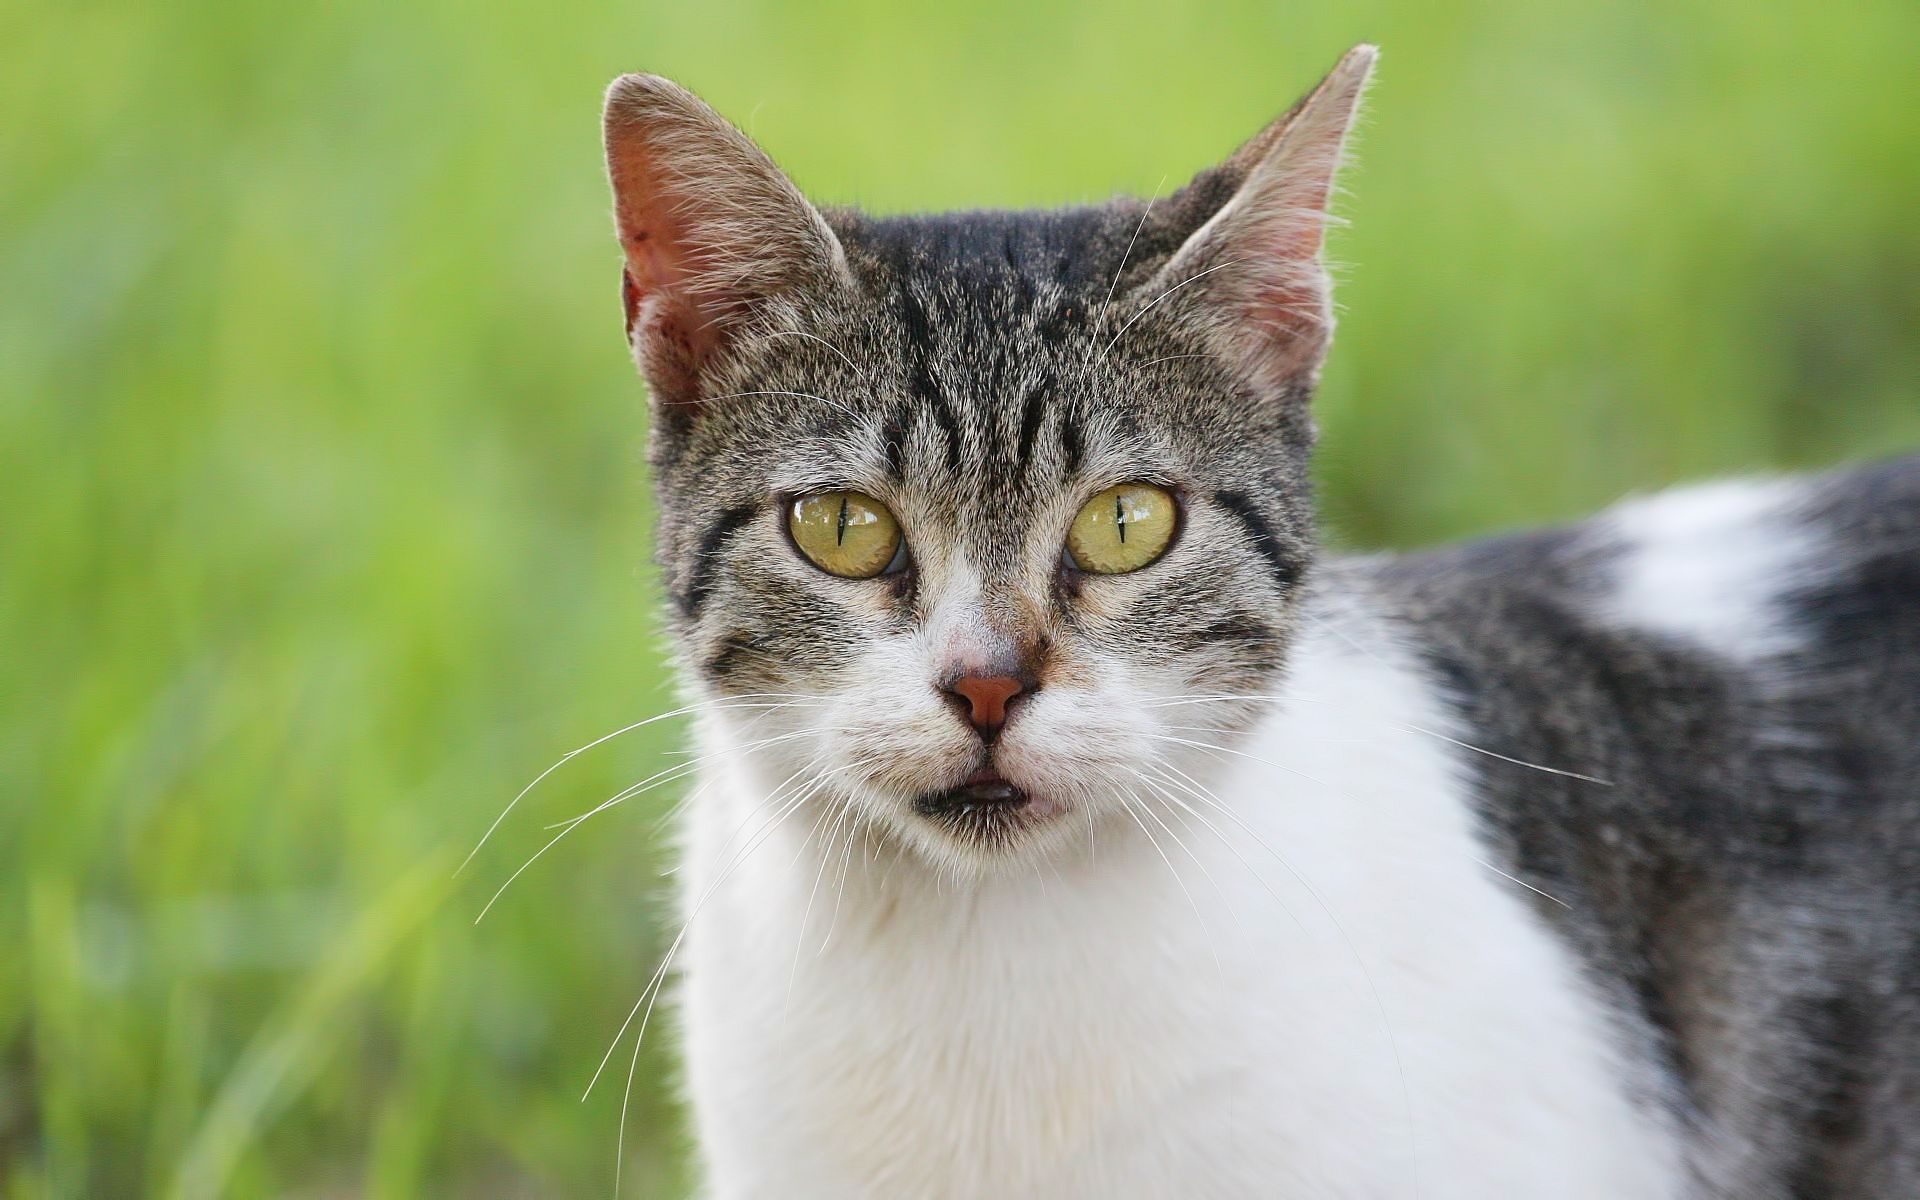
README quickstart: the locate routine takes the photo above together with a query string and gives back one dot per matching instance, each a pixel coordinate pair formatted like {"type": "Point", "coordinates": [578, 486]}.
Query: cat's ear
{"type": "Point", "coordinates": [717, 240]}
{"type": "Point", "coordinates": [1253, 274]}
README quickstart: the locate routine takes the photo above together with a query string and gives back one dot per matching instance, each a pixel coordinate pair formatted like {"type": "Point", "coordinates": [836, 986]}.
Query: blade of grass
{"type": "Point", "coordinates": [286, 1052]}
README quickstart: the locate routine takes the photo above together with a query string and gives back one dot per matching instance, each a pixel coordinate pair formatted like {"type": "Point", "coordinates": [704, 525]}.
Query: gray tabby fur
{"type": "Point", "coordinates": [1747, 889]}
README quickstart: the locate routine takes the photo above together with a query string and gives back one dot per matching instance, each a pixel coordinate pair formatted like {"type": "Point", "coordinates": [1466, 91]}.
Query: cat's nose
{"type": "Point", "coordinates": [985, 699]}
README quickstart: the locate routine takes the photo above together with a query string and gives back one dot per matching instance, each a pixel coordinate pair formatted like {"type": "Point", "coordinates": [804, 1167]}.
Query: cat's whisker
{"type": "Point", "coordinates": [652, 995]}
{"type": "Point", "coordinates": [669, 775]}
{"type": "Point", "coordinates": [1127, 254]}
{"type": "Point", "coordinates": [746, 700]}
{"type": "Point", "coordinates": [1167, 780]}
{"type": "Point", "coordinates": [1508, 758]}
{"type": "Point", "coordinates": [854, 825]}
{"type": "Point", "coordinates": [1223, 698]}
{"type": "Point", "coordinates": [812, 338]}
{"type": "Point", "coordinates": [678, 770]}
{"type": "Point", "coordinates": [1129, 804]}
{"type": "Point", "coordinates": [787, 805]}
{"type": "Point", "coordinates": [1523, 883]}
{"type": "Point", "coordinates": [651, 991]}
{"type": "Point", "coordinates": [1158, 784]}
{"type": "Point", "coordinates": [1162, 296]}
{"type": "Point", "coordinates": [1405, 728]}
{"type": "Point", "coordinates": [1209, 746]}
{"type": "Point", "coordinates": [1170, 358]}
{"type": "Point", "coordinates": [1180, 842]}
{"type": "Point", "coordinates": [790, 797]}
{"type": "Point", "coordinates": [838, 813]}
{"type": "Point", "coordinates": [780, 392]}
{"type": "Point", "coordinates": [679, 807]}
{"type": "Point", "coordinates": [1046, 897]}
{"type": "Point", "coordinates": [1196, 728]}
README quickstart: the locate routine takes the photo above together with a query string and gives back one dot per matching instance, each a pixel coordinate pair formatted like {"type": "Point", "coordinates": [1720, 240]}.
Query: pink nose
{"type": "Point", "coordinates": [986, 697]}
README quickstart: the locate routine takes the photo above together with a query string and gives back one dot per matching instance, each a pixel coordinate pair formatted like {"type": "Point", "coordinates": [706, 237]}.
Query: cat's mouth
{"type": "Point", "coordinates": [986, 806]}
{"type": "Point", "coordinates": [984, 789]}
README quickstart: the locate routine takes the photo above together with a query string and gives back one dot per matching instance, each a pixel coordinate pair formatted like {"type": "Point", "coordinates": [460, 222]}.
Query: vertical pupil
{"type": "Point", "coordinates": [1120, 516]}
{"type": "Point", "coordinates": [840, 533]}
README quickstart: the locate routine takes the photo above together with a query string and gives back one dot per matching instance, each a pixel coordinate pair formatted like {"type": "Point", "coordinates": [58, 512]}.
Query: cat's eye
{"type": "Point", "coordinates": [849, 534]}
{"type": "Point", "coordinates": [1122, 529]}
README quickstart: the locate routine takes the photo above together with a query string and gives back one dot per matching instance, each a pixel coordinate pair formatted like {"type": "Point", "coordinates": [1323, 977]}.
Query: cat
{"type": "Point", "coordinates": [1068, 827]}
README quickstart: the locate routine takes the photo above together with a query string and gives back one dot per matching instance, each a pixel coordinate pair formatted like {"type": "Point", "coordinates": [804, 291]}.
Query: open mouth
{"type": "Point", "coordinates": [985, 796]}
{"type": "Point", "coordinates": [988, 809]}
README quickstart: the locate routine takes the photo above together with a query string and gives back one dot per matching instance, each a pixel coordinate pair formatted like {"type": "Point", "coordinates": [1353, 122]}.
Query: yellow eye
{"type": "Point", "coordinates": [849, 534]}
{"type": "Point", "coordinates": [1122, 529]}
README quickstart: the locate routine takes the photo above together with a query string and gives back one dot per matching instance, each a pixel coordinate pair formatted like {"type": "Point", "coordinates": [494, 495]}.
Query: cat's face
{"type": "Point", "coordinates": [962, 516]}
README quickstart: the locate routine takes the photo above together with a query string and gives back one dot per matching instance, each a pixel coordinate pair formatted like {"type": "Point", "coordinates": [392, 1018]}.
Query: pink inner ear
{"type": "Point", "coordinates": [1276, 279]}
{"type": "Point", "coordinates": [1290, 285]}
{"type": "Point", "coordinates": [658, 290]}
{"type": "Point", "coordinates": [1268, 269]}
{"type": "Point", "coordinates": [713, 234]}
{"type": "Point", "coordinates": [1256, 265]}
{"type": "Point", "coordinates": [655, 249]}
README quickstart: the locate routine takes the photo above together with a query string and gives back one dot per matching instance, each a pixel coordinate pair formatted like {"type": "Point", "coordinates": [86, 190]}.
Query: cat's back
{"type": "Point", "coordinates": [1719, 645]}
{"type": "Point", "coordinates": [1697, 729]}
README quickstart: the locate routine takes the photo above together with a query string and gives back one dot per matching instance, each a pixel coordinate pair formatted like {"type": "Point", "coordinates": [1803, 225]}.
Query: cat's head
{"type": "Point", "coordinates": [962, 515]}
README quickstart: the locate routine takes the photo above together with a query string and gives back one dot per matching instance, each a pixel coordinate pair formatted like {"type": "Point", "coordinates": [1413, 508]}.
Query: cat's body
{"type": "Point", "coordinates": [1578, 864]}
{"type": "Point", "coordinates": [1720, 999]}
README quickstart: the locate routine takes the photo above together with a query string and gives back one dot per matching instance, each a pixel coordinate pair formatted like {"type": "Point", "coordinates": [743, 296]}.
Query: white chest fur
{"type": "Point", "coordinates": [1321, 990]}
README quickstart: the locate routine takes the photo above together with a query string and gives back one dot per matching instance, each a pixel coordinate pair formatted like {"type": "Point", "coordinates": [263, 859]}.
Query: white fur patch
{"type": "Point", "coordinates": [1313, 986]}
{"type": "Point", "coordinates": [1708, 566]}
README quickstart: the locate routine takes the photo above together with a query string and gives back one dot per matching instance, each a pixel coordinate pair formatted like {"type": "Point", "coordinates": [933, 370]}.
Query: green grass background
{"type": "Point", "coordinates": [322, 527]}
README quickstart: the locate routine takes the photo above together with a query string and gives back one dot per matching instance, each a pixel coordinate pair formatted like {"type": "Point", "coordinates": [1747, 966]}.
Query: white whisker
{"type": "Point", "coordinates": [800, 935]}
{"type": "Point", "coordinates": [1419, 729]}
{"type": "Point", "coordinates": [788, 806]}
{"type": "Point", "coordinates": [1200, 793]}
{"type": "Point", "coordinates": [1162, 296]}
{"type": "Point", "coordinates": [1523, 883]}
{"type": "Point", "coordinates": [1128, 805]}
{"type": "Point", "coordinates": [669, 775]}
{"type": "Point", "coordinates": [1172, 357]}
{"type": "Point", "coordinates": [813, 338]}
{"type": "Point", "coordinates": [743, 701]}
{"type": "Point", "coordinates": [854, 824]}
{"type": "Point", "coordinates": [1127, 254]}
{"type": "Point", "coordinates": [780, 392]}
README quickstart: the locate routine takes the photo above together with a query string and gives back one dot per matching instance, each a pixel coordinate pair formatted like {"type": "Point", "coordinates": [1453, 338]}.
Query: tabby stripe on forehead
{"type": "Point", "coordinates": [700, 581]}
{"type": "Point", "coordinates": [1030, 418]}
{"type": "Point", "coordinates": [1284, 569]}
{"type": "Point", "coordinates": [942, 415]}
{"type": "Point", "coordinates": [920, 345]}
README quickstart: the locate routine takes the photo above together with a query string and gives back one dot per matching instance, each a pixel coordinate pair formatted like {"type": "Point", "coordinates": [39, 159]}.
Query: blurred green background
{"type": "Point", "coordinates": [322, 526]}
